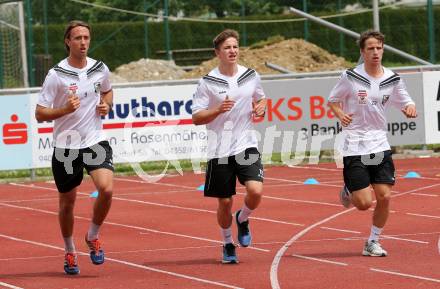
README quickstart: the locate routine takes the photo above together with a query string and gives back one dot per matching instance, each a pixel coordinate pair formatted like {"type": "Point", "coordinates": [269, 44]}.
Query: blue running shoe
{"type": "Point", "coordinates": [244, 234]}
{"type": "Point", "coordinates": [96, 253]}
{"type": "Point", "coordinates": [71, 264]}
{"type": "Point", "coordinates": [229, 256]}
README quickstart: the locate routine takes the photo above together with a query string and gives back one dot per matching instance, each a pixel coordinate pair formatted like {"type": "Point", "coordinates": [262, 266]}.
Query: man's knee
{"type": "Point", "coordinates": [225, 202]}
{"type": "Point", "coordinates": [255, 190]}
{"type": "Point", "coordinates": [106, 192]}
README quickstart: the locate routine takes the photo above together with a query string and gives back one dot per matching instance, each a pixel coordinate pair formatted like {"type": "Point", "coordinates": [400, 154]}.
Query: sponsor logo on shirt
{"type": "Point", "coordinates": [72, 89]}
{"type": "Point", "coordinates": [222, 92]}
{"type": "Point", "coordinates": [385, 99]}
{"type": "Point", "coordinates": [362, 96]}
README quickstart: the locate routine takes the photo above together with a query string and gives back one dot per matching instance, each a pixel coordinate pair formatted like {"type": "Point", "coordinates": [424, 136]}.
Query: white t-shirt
{"type": "Point", "coordinates": [83, 127]}
{"type": "Point", "coordinates": [231, 132]}
{"type": "Point", "coordinates": [367, 98]}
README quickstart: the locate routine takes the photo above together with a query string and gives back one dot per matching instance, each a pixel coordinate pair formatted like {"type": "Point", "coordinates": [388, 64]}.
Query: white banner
{"type": "Point", "coordinates": [431, 98]}
{"type": "Point", "coordinates": [152, 123]}
{"type": "Point", "coordinates": [146, 124]}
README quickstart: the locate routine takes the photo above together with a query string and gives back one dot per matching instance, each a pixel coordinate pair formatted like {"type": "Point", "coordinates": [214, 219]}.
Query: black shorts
{"type": "Point", "coordinates": [221, 174]}
{"type": "Point", "coordinates": [68, 164]}
{"type": "Point", "coordinates": [361, 171]}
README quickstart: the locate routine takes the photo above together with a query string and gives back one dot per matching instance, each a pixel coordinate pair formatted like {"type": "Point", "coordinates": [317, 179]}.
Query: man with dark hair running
{"type": "Point", "coordinates": [226, 100]}
{"type": "Point", "coordinates": [359, 101]}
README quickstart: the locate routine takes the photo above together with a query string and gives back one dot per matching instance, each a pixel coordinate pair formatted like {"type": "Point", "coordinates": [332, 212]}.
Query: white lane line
{"type": "Point", "coordinates": [148, 268]}
{"type": "Point", "coordinates": [319, 260]}
{"type": "Point", "coordinates": [34, 258]}
{"type": "Point", "coordinates": [403, 239]}
{"type": "Point", "coordinates": [406, 275]}
{"type": "Point", "coordinates": [277, 259]}
{"type": "Point", "coordinates": [297, 201]}
{"type": "Point", "coordinates": [438, 245]}
{"type": "Point", "coordinates": [424, 195]}
{"type": "Point", "coordinates": [316, 168]}
{"type": "Point", "coordinates": [341, 182]}
{"type": "Point", "coordinates": [9, 285]}
{"type": "Point", "coordinates": [422, 215]}
{"type": "Point", "coordinates": [172, 206]}
{"type": "Point", "coordinates": [199, 210]}
{"type": "Point", "coordinates": [340, 230]}
{"type": "Point", "coordinates": [301, 182]}
{"type": "Point", "coordinates": [157, 183]}
{"type": "Point", "coordinates": [34, 200]}
{"type": "Point", "coordinates": [131, 227]}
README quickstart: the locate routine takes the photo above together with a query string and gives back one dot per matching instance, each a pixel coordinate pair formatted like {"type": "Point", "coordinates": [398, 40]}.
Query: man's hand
{"type": "Point", "coordinates": [103, 108]}
{"type": "Point", "coordinates": [226, 105]}
{"type": "Point", "coordinates": [410, 111]}
{"type": "Point", "coordinates": [259, 108]}
{"type": "Point", "coordinates": [346, 118]}
{"type": "Point", "coordinates": [73, 103]}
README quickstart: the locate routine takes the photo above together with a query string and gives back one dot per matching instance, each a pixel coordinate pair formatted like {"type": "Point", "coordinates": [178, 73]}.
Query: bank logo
{"type": "Point", "coordinates": [385, 99]}
{"type": "Point", "coordinates": [15, 132]}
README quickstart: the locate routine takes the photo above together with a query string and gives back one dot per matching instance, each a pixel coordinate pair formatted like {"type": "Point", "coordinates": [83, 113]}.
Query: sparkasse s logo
{"type": "Point", "coordinates": [15, 132]}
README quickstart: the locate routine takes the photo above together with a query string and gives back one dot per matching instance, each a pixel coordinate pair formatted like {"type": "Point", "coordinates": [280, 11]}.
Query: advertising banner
{"type": "Point", "coordinates": [146, 124]}
{"type": "Point", "coordinates": [431, 93]}
{"type": "Point", "coordinates": [15, 145]}
{"type": "Point", "coordinates": [152, 123]}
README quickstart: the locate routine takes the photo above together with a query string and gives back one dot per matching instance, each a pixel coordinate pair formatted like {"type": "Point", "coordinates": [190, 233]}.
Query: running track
{"type": "Point", "coordinates": [164, 235]}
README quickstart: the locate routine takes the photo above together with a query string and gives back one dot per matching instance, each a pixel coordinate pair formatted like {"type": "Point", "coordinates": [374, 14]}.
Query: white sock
{"type": "Point", "coordinates": [244, 214]}
{"type": "Point", "coordinates": [69, 246]}
{"type": "Point", "coordinates": [375, 233]}
{"type": "Point", "coordinates": [227, 235]}
{"type": "Point", "coordinates": [93, 232]}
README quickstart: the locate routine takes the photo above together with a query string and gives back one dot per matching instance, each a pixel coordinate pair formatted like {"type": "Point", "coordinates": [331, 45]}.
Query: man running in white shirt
{"type": "Point", "coordinates": [75, 94]}
{"type": "Point", "coordinates": [226, 100]}
{"type": "Point", "coordinates": [359, 101]}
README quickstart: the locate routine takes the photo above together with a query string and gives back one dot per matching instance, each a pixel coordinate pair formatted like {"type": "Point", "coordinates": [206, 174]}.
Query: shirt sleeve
{"type": "Point", "coordinates": [341, 91]}
{"type": "Point", "coordinates": [200, 97]}
{"type": "Point", "coordinates": [49, 90]}
{"type": "Point", "coordinates": [259, 93]}
{"type": "Point", "coordinates": [400, 98]}
{"type": "Point", "coordinates": [106, 85]}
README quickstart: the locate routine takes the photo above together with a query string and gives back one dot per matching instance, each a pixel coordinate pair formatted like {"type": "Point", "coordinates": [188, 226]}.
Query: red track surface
{"type": "Point", "coordinates": [164, 235]}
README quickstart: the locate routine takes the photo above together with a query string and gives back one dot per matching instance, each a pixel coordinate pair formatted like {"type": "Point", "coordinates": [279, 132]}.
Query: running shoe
{"type": "Point", "coordinates": [244, 235]}
{"type": "Point", "coordinates": [96, 252]}
{"type": "Point", "coordinates": [229, 256]}
{"type": "Point", "coordinates": [373, 248]}
{"type": "Point", "coordinates": [71, 264]}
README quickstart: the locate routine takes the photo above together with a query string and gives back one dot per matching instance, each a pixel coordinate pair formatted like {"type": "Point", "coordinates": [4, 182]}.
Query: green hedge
{"type": "Point", "coordinates": [405, 29]}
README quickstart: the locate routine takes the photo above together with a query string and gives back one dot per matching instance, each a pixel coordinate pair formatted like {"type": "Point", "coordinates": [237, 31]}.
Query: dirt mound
{"type": "Point", "coordinates": [295, 55]}
{"type": "Point", "coordinates": [146, 69]}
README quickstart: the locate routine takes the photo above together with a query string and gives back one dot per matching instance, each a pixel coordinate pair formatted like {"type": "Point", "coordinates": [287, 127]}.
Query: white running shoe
{"type": "Point", "coordinates": [345, 197]}
{"type": "Point", "coordinates": [374, 249]}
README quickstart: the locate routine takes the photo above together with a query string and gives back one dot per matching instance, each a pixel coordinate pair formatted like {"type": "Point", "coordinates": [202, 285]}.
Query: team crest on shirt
{"type": "Point", "coordinates": [385, 99]}
{"type": "Point", "coordinates": [362, 96]}
{"type": "Point", "coordinates": [97, 86]}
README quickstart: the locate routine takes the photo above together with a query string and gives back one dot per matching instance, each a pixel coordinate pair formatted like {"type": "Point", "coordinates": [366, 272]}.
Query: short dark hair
{"type": "Point", "coordinates": [72, 24]}
{"type": "Point", "coordinates": [370, 34]}
{"type": "Point", "coordinates": [225, 34]}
